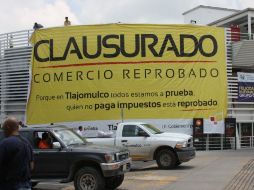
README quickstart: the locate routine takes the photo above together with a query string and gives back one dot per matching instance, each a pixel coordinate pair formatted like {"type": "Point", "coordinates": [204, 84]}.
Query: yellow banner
{"type": "Point", "coordinates": [100, 72]}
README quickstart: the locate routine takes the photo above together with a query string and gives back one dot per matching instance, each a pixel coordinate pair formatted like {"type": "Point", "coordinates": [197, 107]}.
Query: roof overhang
{"type": "Point", "coordinates": [236, 18]}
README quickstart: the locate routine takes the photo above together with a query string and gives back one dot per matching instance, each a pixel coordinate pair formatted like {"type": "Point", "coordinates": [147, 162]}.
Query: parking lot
{"type": "Point", "coordinates": [212, 170]}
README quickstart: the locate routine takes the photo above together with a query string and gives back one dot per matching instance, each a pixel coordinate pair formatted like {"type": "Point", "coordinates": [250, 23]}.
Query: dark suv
{"type": "Point", "coordinates": [71, 158]}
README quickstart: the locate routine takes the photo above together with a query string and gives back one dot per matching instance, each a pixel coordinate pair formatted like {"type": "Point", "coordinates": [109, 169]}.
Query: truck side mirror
{"type": "Point", "coordinates": [143, 134]}
{"type": "Point", "coordinates": [56, 145]}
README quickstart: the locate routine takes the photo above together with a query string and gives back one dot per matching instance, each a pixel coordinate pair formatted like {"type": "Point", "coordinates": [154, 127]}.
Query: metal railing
{"type": "Point", "coordinates": [215, 143]}
{"type": "Point", "coordinates": [246, 141]}
{"type": "Point", "coordinates": [15, 54]}
{"type": "Point", "coordinates": [223, 143]}
{"type": "Point", "coordinates": [238, 36]}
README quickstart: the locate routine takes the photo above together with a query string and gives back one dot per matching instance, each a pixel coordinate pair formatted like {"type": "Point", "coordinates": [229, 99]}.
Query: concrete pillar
{"type": "Point", "coordinates": [249, 27]}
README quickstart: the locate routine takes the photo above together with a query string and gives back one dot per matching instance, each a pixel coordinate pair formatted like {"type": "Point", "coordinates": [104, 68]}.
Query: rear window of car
{"type": "Point", "coordinates": [22, 133]}
{"type": "Point", "coordinates": [27, 135]}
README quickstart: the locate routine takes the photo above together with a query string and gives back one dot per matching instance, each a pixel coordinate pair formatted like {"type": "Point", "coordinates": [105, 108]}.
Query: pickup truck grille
{"type": "Point", "coordinates": [190, 142]}
{"type": "Point", "coordinates": [122, 156]}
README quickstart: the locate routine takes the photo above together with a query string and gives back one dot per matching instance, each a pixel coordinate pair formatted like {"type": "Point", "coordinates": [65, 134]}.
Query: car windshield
{"type": "Point", "coordinates": [68, 137]}
{"type": "Point", "coordinates": [152, 129]}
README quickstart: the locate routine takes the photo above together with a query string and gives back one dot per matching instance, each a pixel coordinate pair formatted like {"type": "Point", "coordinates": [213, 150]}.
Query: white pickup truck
{"type": "Point", "coordinates": [145, 142]}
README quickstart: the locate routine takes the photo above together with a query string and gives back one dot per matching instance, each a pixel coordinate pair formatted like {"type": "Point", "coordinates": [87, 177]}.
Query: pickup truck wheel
{"type": "Point", "coordinates": [88, 178]}
{"type": "Point", "coordinates": [114, 182]}
{"type": "Point", "coordinates": [178, 163]}
{"type": "Point", "coordinates": [166, 159]}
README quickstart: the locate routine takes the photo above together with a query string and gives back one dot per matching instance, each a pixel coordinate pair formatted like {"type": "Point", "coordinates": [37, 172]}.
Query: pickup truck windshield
{"type": "Point", "coordinates": [68, 137]}
{"type": "Point", "coordinates": [152, 129]}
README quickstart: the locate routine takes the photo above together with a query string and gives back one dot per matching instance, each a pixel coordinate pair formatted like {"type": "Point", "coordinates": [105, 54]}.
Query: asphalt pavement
{"type": "Point", "coordinates": [213, 170]}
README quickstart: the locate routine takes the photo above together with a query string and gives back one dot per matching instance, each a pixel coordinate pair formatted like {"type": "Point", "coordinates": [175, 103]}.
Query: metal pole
{"type": "Point", "coordinates": [221, 141]}
{"type": "Point", "coordinates": [122, 115]}
{"type": "Point", "coordinates": [207, 142]}
{"type": "Point", "coordinates": [235, 136]}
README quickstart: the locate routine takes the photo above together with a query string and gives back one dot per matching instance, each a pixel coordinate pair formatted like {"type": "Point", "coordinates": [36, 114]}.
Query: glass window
{"type": "Point", "coordinates": [131, 131]}
{"type": "Point", "coordinates": [246, 129]}
{"type": "Point", "coordinates": [43, 140]}
{"type": "Point", "coordinates": [27, 135]}
{"type": "Point", "coordinates": [152, 129]}
{"type": "Point", "coordinates": [68, 137]}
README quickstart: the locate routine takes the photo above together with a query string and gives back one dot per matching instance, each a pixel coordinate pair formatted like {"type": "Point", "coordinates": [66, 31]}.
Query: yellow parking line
{"type": "Point", "coordinates": [149, 181]}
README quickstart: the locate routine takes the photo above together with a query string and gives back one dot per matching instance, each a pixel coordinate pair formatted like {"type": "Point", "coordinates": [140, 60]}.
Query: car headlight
{"type": "Point", "coordinates": [110, 157]}
{"type": "Point", "coordinates": [181, 145]}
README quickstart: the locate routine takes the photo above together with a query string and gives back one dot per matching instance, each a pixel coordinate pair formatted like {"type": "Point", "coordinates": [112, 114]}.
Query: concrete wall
{"type": "Point", "coordinates": [205, 15]}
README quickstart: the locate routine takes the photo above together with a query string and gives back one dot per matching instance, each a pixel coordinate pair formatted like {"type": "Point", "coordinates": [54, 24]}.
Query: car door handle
{"type": "Point", "coordinates": [124, 141]}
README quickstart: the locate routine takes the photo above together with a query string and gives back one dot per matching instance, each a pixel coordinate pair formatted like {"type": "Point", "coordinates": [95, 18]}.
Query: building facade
{"type": "Point", "coordinates": [203, 15]}
{"type": "Point", "coordinates": [240, 30]}
{"type": "Point", "coordinates": [15, 55]}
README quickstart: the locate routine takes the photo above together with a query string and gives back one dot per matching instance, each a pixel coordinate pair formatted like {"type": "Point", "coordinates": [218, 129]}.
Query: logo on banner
{"type": "Point", "coordinates": [245, 87]}
{"type": "Point", "coordinates": [213, 120]}
{"type": "Point", "coordinates": [214, 124]}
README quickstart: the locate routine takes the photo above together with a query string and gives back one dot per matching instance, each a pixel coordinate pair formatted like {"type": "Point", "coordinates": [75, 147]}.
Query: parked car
{"type": "Point", "coordinates": [71, 158]}
{"type": "Point", "coordinates": [146, 142]}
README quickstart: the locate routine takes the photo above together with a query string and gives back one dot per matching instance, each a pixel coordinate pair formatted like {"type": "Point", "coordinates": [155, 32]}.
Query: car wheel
{"type": "Point", "coordinates": [88, 178]}
{"type": "Point", "coordinates": [114, 182]}
{"type": "Point", "coordinates": [166, 159]}
{"type": "Point", "coordinates": [178, 163]}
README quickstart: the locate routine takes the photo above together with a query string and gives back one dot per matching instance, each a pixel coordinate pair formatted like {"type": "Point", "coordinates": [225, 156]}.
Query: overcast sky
{"type": "Point", "coordinates": [21, 14]}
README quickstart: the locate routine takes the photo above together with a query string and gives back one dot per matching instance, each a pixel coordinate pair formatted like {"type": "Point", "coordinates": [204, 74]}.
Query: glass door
{"type": "Point", "coordinates": [246, 134]}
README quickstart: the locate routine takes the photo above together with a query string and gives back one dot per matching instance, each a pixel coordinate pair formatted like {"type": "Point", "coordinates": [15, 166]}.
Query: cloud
{"type": "Point", "coordinates": [21, 15]}
{"type": "Point", "coordinates": [132, 11]}
{"type": "Point", "coordinates": [247, 3]}
{"type": "Point", "coordinates": [144, 11]}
